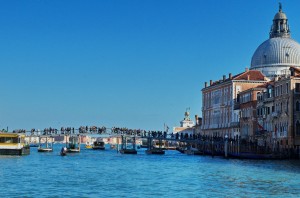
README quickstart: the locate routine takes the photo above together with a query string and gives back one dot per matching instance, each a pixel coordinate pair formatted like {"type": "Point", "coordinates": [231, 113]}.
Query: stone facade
{"type": "Point", "coordinates": [247, 104]}
{"type": "Point", "coordinates": [218, 112]}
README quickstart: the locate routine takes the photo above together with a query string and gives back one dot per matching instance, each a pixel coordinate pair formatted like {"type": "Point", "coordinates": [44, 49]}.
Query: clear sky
{"type": "Point", "coordinates": [126, 63]}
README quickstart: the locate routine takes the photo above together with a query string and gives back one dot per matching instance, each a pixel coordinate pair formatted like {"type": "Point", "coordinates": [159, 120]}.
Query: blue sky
{"type": "Point", "coordinates": [130, 63]}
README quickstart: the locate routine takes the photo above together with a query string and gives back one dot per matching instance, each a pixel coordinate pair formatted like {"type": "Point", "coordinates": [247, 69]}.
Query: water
{"type": "Point", "coordinates": [96, 173]}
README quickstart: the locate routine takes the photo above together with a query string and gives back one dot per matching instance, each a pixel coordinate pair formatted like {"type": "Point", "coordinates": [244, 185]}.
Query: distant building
{"type": "Point", "coordinates": [186, 125]}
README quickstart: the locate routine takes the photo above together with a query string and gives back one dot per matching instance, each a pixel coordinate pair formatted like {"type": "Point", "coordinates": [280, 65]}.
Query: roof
{"type": "Point", "coordinates": [13, 135]}
{"type": "Point", "coordinates": [250, 75]}
{"type": "Point", "coordinates": [296, 70]}
{"type": "Point", "coordinates": [265, 85]}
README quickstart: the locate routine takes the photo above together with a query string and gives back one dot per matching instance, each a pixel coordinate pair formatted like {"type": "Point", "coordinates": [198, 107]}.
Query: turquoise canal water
{"type": "Point", "coordinates": [96, 173]}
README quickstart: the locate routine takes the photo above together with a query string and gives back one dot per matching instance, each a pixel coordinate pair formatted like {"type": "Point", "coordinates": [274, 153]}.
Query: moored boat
{"type": "Point", "coordinates": [144, 143]}
{"type": "Point", "coordinates": [47, 145]}
{"type": "Point", "coordinates": [128, 151]}
{"type": "Point", "coordinates": [99, 144]}
{"type": "Point", "coordinates": [13, 144]}
{"type": "Point", "coordinates": [155, 151]}
{"type": "Point", "coordinates": [73, 146]}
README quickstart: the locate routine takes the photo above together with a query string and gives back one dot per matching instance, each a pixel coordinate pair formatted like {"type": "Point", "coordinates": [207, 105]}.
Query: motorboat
{"type": "Point", "coordinates": [63, 151]}
{"type": "Point", "coordinates": [99, 144]}
{"type": "Point", "coordinates": [88, 145]}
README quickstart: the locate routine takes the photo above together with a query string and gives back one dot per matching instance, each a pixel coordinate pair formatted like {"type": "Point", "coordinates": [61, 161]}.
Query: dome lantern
{"type": "Point", "coordinates": [280, 27]}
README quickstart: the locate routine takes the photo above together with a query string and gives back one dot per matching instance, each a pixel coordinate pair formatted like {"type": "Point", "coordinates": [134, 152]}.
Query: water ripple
{"type": "Point", "coordinates": [110, 174]}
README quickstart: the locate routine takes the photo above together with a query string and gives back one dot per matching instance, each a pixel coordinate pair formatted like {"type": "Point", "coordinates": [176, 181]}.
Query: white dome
{"type": "Point", "coordinates": [276, 52]}
{"type": "Point", "coordinates": [274, 56]}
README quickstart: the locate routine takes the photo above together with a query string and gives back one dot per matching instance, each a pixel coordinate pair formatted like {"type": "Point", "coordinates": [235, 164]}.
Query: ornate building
{"type": "Point", "coordinates": [265, 114]}
{"type": "Point", "coordinates": [249, 104]}
{"type": "Point", "coordinates": [274, 56]}
{"type": "Point", "coordinates": [219, 115]}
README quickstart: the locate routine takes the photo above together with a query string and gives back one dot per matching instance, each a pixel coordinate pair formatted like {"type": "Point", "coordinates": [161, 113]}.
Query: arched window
{"type": "Point", "coordinates": [297, 127]}
{"type": "Point", "coordinates": [297, 106]}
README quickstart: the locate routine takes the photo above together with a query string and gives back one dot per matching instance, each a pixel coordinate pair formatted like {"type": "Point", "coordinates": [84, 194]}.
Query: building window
{"type": "Point", "coordinates": [269, 93]}
{"type": "Point", "coordinates": [297, 127]}
{"type": "Point", "coordinates": [297, 106]}
{"type": "Point", "coordinates": [297, 88]}
{"type": "Point", "coordinates": [273, 108]}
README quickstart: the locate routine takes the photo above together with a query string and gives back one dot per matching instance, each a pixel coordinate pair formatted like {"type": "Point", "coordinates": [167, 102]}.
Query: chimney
{"type": "Point", "coordinates": [230, 76]}
{"type": "Point", "coordinates": [246, 69]}
{"type": "Point", "coordinates": [205, 84]}
{"type": "Point", "coordinates": [210, 82]}
{"type": "Point", "coordinates": [248, 77]}
{"type": "Point", "coordinates": [224, 77]}
{"type": "Point", "coordinates": [196, 119]}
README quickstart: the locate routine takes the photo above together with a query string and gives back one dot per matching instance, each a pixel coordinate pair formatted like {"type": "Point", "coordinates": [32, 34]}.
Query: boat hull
{"type": "Point", "coordinates": [128, 151]}
{"type": "Point", "coordinates": [45, 150]}
{"type": "Point", "coordinates": [155, 151]}
{"type": "Point", "coordinates": [22, 151]}
{"type": "Point", "coordinates": [99, 148]}
{"type": "Point", "coordinates": [73, 150]}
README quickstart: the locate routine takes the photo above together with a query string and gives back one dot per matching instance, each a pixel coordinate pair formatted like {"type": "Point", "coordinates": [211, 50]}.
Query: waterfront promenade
{"type": "Point", "coordinates": [196, 144]}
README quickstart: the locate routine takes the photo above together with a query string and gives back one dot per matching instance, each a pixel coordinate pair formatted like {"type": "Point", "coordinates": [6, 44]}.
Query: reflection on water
{"type": "Point", "coordinates": [96, 173]}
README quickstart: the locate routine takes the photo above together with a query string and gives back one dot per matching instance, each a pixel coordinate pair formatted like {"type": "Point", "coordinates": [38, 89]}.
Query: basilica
{"type": "Point", "coordinates": [263, 102]}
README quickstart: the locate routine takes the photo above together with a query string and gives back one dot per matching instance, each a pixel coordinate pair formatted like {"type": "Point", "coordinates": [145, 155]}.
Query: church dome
{"type": "Point", "coordinates": [280, 15]}
{"type": "Point", "coordinates": [275, 55]}
{"type": "Point", "coordinates": [276, 51]}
